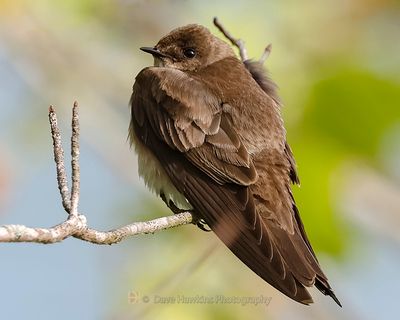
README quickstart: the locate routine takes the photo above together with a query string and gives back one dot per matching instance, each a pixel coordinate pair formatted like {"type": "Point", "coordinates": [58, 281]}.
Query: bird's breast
{"type": "Point", "coordinates": [155, 177]}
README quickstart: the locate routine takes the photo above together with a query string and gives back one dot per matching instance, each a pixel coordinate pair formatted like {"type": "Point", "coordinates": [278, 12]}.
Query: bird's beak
{"type": "Point", "coordinates": [154, 51]}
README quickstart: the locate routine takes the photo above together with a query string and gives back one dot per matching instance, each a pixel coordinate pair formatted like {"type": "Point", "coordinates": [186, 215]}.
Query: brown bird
{"type": "Point", "coordinates": [210, 138]}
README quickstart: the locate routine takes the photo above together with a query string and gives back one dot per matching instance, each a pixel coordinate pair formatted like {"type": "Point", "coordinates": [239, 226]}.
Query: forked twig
{"type": "Point", "coordinates": [240, 44]}
{"type": "Point", "coordinates": [59, 160]}
{"type": "Point", "coordinates": [76, 223]}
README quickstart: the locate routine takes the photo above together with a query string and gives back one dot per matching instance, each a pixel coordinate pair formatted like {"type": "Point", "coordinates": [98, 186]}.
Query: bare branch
{"type": "Point", "coordinates": [76, 223]}
{"type": "Point", "coordinates": [76, 226]}
{"type": "Point", "coordinates": [59, 159]}
{"type": "Point", "coordinates": [75, 160]}
{"type": "Point", "coordinates": [266, 53]}
{"type": "Point", "coordinates": [239, 43]}
{"type": "Point", "coordinates": [137, 228]}
{"type": "Point", "coordinates": [20, 233]}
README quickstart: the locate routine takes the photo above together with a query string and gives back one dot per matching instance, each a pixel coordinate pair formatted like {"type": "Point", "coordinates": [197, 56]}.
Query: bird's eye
{"type": "Point", "coordinates": [189, 52]}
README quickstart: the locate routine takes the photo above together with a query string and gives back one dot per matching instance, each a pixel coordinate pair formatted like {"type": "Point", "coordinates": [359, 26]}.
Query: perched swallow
{"type": "Point", "coordinates": [210, 138]}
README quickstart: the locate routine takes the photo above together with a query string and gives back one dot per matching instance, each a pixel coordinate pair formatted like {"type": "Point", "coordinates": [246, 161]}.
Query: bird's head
{"type": "Point", "coordinates": [189, 48]}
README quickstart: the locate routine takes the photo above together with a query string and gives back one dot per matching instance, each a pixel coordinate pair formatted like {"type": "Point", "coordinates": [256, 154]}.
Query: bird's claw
{"type": "Point", "coordinates": [201, 224]}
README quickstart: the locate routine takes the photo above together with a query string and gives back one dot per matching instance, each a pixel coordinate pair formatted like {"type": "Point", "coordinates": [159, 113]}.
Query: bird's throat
{"type": "Point", "coordinates": [158, 62]}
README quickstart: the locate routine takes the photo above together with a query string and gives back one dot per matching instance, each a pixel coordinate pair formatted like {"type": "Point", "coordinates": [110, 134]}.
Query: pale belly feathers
{"type": "Point", "coordinates": [155, 178]}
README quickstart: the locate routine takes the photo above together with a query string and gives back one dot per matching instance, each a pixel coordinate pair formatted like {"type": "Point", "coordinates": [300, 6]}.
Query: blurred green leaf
{"type": "Point", "coordinates": [317, 160]}
{"type": "Point", "coordinates": [353, 107]}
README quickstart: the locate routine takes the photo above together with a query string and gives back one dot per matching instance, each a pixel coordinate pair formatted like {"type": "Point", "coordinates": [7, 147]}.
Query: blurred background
{"type": "Point", "coordinates": [337, 63]}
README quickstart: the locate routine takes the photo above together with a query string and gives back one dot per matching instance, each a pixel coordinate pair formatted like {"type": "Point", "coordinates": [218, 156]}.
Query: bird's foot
{"type": "Point", "coordinates": [171, 205]}
{"type": "Point", "coordinates": [201, 224]}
